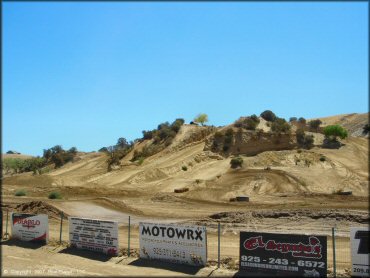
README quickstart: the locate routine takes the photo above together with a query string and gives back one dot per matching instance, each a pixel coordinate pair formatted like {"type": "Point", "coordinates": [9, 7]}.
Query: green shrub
{"type": "Point", "coordinates": [176, 125]}
{"type": "Point", "coordinates": [141, 160]}
{"type": "Point", "coordinates": [280, 125]}
{"type": "Point", "coordinates": [314, 125]}
{"type": "Point", "coordinates": [197, 181]}
{"type": "Point", "coordinates": [20, 193]}
{"type": "Point", "coordinates": [229, 134]}
{"type": "Point", "coordinates": [55, 195]}
{"type": "Point", "coordinates": [302, 121]}
{"type": "Point", "coordinates": [218, 135]}
{"type": "Point", "coordinates": [268, 115]}
{"type": "Point", "coordinates": [334, 131]}
{"type": "Point", "coordinates": [201, 118]}
{"type": "Point", "coordinates": [249, 123]}
{"type": "Point", "coordinates": [184, 168]}
{"type": "Point", "coordinates": [304, 140]}
{"type": "Point", "coordinates": [236, 162]}
{"type": "Point", "coordinates": [322, 158]}
{"type": "Point", "coordinates": [293, 119]}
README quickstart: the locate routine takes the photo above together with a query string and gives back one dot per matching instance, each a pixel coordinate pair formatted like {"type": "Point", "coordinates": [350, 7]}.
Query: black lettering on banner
{"type": "Point", "coordinates": [180, 233]}
{"type": "Point", "coordinates": [146, 230]}
{"type": "Point", "coordinates": [363, 246]}
{"type": "Point", "coordinates": [190, 234]}
{"type": "Point", "coordinates": [156, 232]}
{"type": "Point", "coordinates": [163, 230]}
{"type": "Point", "coordinates": [172, 232]}
{"type": "Point", "coordinates": [199, 235]}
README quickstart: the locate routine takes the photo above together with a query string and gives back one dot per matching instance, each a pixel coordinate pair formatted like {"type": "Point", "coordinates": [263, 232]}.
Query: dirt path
{"type": "Point", "coordinates": [18, 260]}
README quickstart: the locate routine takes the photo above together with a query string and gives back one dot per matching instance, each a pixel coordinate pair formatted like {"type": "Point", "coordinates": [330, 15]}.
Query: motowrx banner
{"type": "Point", "coordinates": [360, 250]}
{"type": "Point", "coordinates": [283, 254]}
{"type": "Point", "coordinates": [30, 227]}
{"type": "Point", "coordinates": [94, 235]}
{"type": "Point", "coordinates": [173, 243]}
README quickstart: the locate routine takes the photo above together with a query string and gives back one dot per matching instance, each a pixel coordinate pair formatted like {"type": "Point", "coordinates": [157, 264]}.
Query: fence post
{"type": "Point", "coordinates": [219, 247]}
{"type": "Point", "coordinates": [61, 227]}
{"type": "Point", "coordinates": [334, 259]}
{"type": "Point", "coordinates": [129, 227]}
{"type": "Point", "coordinates": [6, 227]}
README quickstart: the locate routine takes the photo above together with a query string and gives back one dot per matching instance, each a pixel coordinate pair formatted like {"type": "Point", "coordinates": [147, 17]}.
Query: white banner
{"type": "Point", "coordinates": [30, 227]}
{"type": "Point", "coordinates": [94, 235]}
{"type": "Point", "coordinates": [360, 246]}
{"type": "Point", "coordinates": [173, 243]}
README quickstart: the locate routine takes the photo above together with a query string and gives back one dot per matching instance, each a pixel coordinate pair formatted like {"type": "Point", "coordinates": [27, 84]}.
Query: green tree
{"type": "Point", "coordinates": [201, 118]}
{"type": "Point", "coordinates": [122, 143]}
{"type": "Point", "coordinates": [73, 150]}
{"type": "Point", "coordinates": [268, 115]}
{"type": "Point", "coordinates": [302, 121]}
{"type": "Point", "coordinates": [280, 125]}
{"type": "Point", "coordinates": [333, 131]}
{"type": "Point", "coordinates": [315, 124]}
{"type": "Point", "coordinates": [236, 162]}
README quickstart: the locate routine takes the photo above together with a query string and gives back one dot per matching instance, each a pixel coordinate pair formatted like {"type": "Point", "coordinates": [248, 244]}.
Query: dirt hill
{"type": "Point", "coordinates": [189, 162]}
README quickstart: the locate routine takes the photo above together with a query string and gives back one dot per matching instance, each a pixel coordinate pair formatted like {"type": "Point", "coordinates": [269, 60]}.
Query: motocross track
{"type": "Point", "coordinates": [291, 196]}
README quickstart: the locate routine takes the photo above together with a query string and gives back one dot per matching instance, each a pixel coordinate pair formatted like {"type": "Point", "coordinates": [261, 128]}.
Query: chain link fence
{"type": "Point", "coordinates": [223, 243]}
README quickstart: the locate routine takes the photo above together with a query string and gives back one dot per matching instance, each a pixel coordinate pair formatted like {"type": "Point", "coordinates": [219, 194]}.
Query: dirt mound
{"type": "Point", "coordinates": [190, 134]}
{"type": "Point", "coordinates": [148, 176]}
{"type": "Point", "coordinates": [165, 198]}
{"type": "Point", "coordinates": [244, 217]}
{"type": "Point", "coordinates": [39, 207]}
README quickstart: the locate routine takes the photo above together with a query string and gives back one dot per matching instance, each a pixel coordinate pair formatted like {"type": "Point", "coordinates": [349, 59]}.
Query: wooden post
{"type": "Point", "coordinates": [219, 246]}
{"type": "Point", "coordinates": [61, 227]}
{"type": "Point", "coordinates": [334, 259]}
{"type": "Point", "coordinates": [128, 245]}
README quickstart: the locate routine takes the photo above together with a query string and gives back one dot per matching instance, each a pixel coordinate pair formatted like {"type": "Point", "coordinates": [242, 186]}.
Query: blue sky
{"type": "Point", "coordinates": [85, 74]}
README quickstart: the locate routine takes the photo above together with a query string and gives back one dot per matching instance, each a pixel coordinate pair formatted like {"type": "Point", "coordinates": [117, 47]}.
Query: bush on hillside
{"type": "Point", "coordinates": [314, 125]}
{"type": "Point", "coordinates": [20, 193]}
{"type": "Point", "coordinates": [201, 118]}
{"type": "Point", "coordinates": [302, 120]}
{"type": "Point", "coordinates": [292, 119]}
{"type": "Point", "coordinates": [249, 123]}
{"type": "Point", "coordinates": [331, 132]}
{"type": "Point", "coordinates": [280, 125]}
{"type": "Point", "coordinates": [304, 140]}
{"type": "Point", "coordinates": [59, 156]}
{"type": "Point", "coordinates": [55, 195]}
{"type": "Point", "coordinates": [268, 115]}
{"type": "Point", "coordinates": [236, 162]}
{"type": "Point", "coordinates": [229, 134]}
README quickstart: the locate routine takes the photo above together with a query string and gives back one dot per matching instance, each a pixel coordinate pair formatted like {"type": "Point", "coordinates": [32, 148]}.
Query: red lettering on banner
{"type": "Point", "coordinates": [311, 250]}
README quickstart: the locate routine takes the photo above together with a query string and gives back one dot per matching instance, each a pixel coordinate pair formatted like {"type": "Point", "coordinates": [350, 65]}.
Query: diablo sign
{"type": "Point", "coordinates": [283, 254]}
{"type": "Point", "coordinates": [30, 227]}
{"type": "Point", "coordinates": [94, 235]}
{"type": "Point", "coordinates": [360, 251]}
{"type": "Point", "coordinates": [173, 243]}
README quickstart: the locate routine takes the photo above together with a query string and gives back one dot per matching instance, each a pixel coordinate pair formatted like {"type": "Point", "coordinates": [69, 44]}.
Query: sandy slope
{"type": "Point", "coordinates": [298, 180]}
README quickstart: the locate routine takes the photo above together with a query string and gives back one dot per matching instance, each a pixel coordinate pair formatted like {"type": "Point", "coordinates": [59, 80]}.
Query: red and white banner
{"type": "Point", "coordinates": [95, 235]}
{"type": "Point", "coordinates": [30, 227]}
